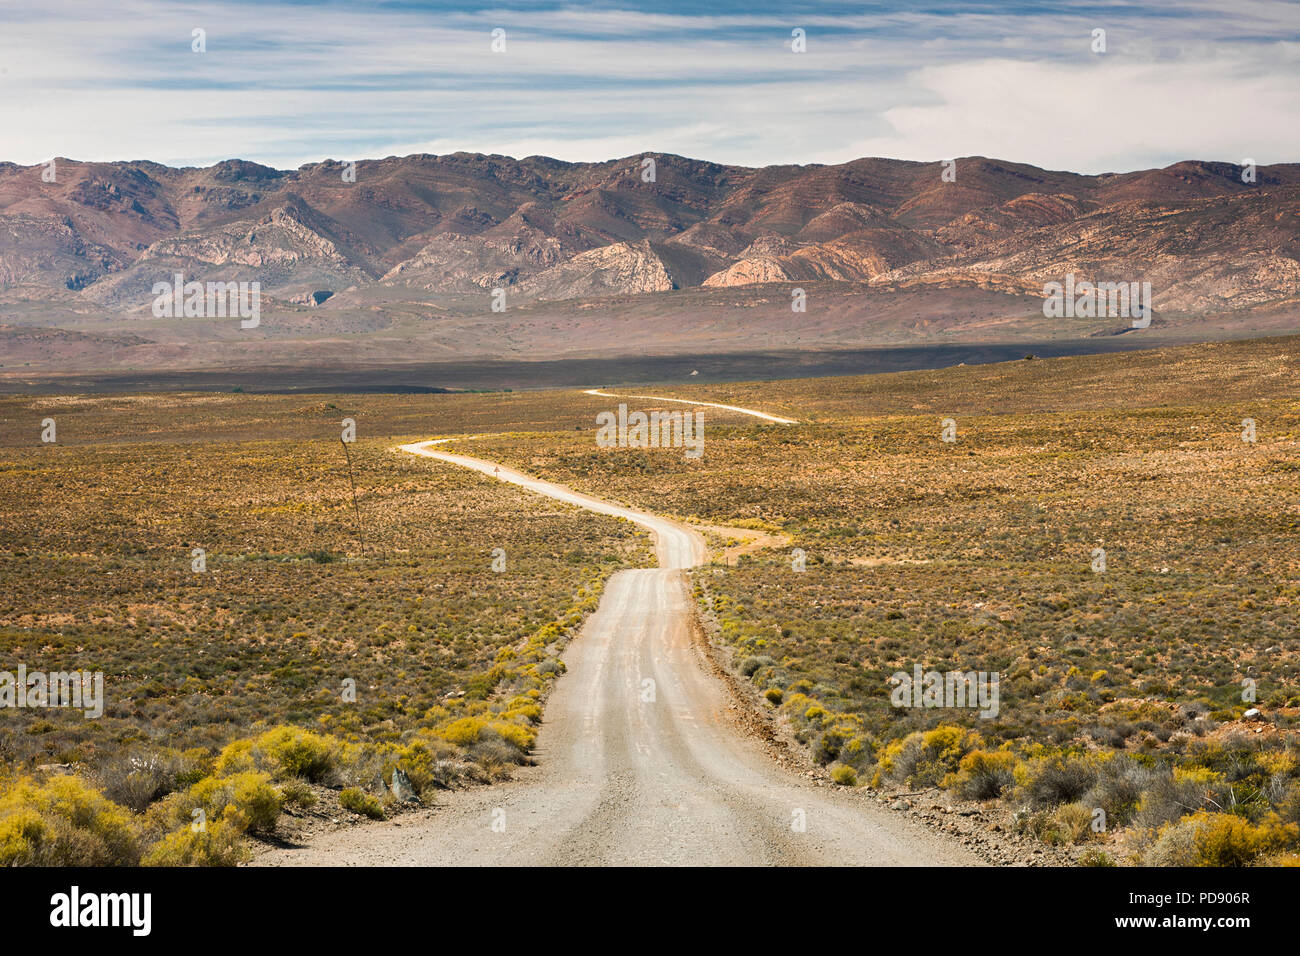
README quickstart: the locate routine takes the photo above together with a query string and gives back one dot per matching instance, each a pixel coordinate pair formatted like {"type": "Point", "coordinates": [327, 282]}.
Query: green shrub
{"type": "Point", "coordinates": [1175, 845]}
{"type": "Point", "coordinates": [1118, 788]}
{"type": "Point", "coordinates": [925, 758]}
{"type": "Point", "coordinates": [1070, 823]}
{"type": "Point", "coordinates": [830, 742]}
{"type": "Point", "coordinates": [360, 802]}
{"type": "Point", "coordinates": [247, 800]}
{"type": "Point", "coordinates": [1169, 796]}
{"type": "Point", "coordinates": [1218, 839]}
{"type": "Point", "coordinates": [1226, 840]}
{"type": "Point", "coordinates": [64, 822]}
{"type": "Point", "coordinates": [1073, 822]}
{"type": "Point", "coordinates": [982, 774]}
{"type": "Point", "coordinates": [136, 779]}
{"type": "Point", "coordinates": [844, 775]}
{"type": "Point", "coordinates": [464, 732]}
{"type": "Point", "coordinates": [425, 760]}
{"type": "Point", "coordinates": [1053, 780]}
{"type": "Point", "coordinates": [298, 794]}
{"type": "Point", "coordinates": [217, 844]}
{"type": "Point", "coordinates": [23, 834]}
{"type": "Point", "coordinates": [530, 712]}
{"type": "Point", "coordinates": [296, 752]}
{"type": "Point", "coordinates": [195, 764]}
{"type": "Point", "coordinates": [858, 751]}
{"type": "Point", "coordinates": [236, 757]}
{"type": "Point", "coordinates": [516, 735]}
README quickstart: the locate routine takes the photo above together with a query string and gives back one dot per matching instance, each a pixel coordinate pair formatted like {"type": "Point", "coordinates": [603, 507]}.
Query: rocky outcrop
{"type": "Point", "coordinates": [285, 238]}
{"type": "Point", "coordinates": [621, 267]}
{"type": "Point", "coordinates": [856, 257]}
{"type": "Point", "coordinates": [750, 271]}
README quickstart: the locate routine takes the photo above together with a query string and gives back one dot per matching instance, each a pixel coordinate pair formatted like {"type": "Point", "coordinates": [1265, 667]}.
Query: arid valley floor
{"type": "Point", "coordinates": [294, 667]}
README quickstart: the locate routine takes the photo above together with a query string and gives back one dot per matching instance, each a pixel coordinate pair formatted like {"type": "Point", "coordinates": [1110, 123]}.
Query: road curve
{"type": "Point", "coordinates": [686, 401]}
{"type": "Point", "coordinates": [639, 762]}
{"type": "Point", "coordinates": [678, 547]}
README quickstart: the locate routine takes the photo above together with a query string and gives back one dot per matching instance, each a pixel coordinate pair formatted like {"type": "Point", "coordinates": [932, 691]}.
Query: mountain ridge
{"type": "Point", "coordinates": [427, 248]}
{"type": "Point", "coordinates": [855, 221]}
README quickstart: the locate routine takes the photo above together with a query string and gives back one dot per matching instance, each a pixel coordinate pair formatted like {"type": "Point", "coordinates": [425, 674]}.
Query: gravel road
{"type": "Point", "coordinates": [639, 760]}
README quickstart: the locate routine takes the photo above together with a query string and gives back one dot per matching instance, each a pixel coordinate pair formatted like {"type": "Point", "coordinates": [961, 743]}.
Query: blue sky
{"type": "Point", "coordinates": [286, 83]}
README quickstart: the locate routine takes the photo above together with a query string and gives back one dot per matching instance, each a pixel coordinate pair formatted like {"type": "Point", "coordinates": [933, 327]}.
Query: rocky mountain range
{"type": "Point", "coordinates": [434, 236]}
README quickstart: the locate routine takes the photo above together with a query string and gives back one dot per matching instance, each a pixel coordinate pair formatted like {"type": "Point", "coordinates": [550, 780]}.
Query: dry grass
{"type": "Point", "coordinates": [96, 574]}
{"type": "Point", "coordinates": [967, 556]}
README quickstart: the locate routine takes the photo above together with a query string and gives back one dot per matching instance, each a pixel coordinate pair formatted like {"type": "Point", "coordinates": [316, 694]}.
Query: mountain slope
{"type": "Point", "coordinates": [392, 259]}
{"type": "Point", "coordinates": [455, 224]}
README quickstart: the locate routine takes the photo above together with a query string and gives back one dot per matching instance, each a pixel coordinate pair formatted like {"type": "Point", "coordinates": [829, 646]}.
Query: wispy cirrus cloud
{"type": "Point", "coordinates": [293, 82]}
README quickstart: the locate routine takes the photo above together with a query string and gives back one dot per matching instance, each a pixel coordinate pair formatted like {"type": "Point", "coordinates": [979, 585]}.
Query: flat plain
{"type": "Point", "coordinates": [1124, 689]}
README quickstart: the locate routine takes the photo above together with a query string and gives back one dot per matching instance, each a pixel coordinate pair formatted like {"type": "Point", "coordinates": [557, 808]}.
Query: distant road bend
{"type": "Point", "coordinates": [622, 780]}
{"type": "Point", "coordinates": [687, 401]}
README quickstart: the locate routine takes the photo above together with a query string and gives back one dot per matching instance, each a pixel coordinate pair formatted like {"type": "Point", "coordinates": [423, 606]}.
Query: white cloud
{"type": "Point", "coordinates": [288, 84]}
{"type": "Point", "coordinates": [1099, 117]}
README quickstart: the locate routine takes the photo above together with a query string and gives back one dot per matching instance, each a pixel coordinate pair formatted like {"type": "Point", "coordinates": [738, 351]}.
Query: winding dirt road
{"type": "Point", "coordinates": [639, 762]}
{"type": "Point", "coordinates": [689, 401]}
